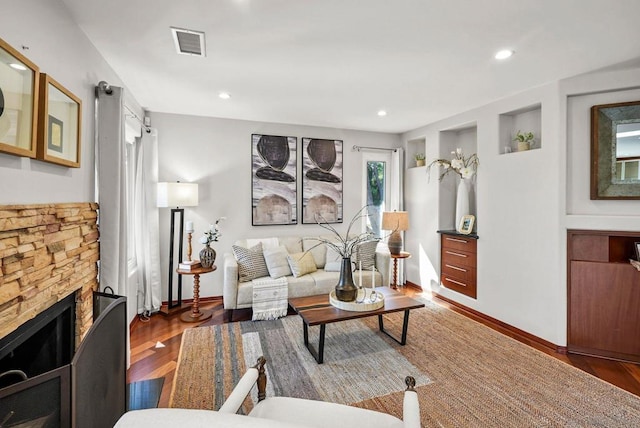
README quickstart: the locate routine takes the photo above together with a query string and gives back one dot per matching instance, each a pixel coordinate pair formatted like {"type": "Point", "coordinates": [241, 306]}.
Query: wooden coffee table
{"type": "Point", "coordinates": [316, 310]}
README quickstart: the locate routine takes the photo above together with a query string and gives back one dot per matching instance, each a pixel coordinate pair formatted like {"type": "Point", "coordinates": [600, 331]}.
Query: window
{"type": "Point", "coordinates": [375, 189]}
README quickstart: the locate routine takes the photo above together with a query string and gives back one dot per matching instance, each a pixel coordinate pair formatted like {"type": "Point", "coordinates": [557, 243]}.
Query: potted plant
{"type": "Point", "coordinates": [420, 159]}
{"type": "Point", "coordinates": [525, 140]}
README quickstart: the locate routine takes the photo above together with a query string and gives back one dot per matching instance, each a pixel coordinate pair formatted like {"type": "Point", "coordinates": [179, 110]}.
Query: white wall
{"type": "Point", "coordinates": [525, 202]}
{"type": "Point", "coordinates": [216, 154]}
{"type": "Point", "coordinates": [59, 48]}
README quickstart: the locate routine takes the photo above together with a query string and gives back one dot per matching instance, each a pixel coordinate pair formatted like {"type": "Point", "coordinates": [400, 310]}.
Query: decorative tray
{"type": "Point", "coordinates": [363, 302]}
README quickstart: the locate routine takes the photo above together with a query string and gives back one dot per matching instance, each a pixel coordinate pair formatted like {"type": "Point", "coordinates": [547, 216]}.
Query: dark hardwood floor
{"type": "Point", "coordinates": [149, 361]}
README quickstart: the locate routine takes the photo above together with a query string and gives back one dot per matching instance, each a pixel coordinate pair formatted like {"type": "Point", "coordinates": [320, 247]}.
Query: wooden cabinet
{"type": "Point", "coordinates": [458, 262]}
{"type": "Point", "coordinates": [603, 294]}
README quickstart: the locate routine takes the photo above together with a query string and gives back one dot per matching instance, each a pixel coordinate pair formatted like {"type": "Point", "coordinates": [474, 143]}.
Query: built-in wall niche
{"type": "Point", "coordinates": [416, 147]}
{"type": "Point", "coordinates": [525, 120]}
{"type": "Point", "coordinates": [465, 138]}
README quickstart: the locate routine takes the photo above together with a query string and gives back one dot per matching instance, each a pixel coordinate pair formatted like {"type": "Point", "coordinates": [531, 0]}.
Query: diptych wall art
{"type": "Point", "coordinates": [321, 180]}
{"type": "Point", "coordinates": [273, 180]}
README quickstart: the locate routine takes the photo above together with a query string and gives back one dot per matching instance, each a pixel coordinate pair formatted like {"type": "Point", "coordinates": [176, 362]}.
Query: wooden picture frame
{"type": "Point", "coordinates": [19, 81]}
{"type": "Point", "coordinates": [322, 191]}
{"type": "Point", "coordinates": [466, 224]}
{"type": "Point", "coordinates": [274, 185]}
{"type": "Point", "coordinates": [59, 124]}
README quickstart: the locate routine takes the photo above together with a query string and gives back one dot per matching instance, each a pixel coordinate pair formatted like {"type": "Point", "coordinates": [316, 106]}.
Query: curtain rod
{"type": "Point", "coordinates": [359, 148]}
{"type": "Point", "coordinates": [135, 116]}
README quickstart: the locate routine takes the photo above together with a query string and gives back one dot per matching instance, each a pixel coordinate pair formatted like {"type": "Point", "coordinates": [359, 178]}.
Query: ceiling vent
{"type": "Point", "coordinates": [188, 42]}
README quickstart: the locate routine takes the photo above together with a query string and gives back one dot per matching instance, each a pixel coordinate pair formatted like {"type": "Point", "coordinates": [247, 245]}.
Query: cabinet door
{"type": "Point", "coordinates": [604, 312]}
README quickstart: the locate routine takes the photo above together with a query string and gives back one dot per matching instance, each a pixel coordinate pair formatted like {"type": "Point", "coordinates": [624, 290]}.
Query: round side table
{"type": "Point", "coordinates": [195, 314]}
{"type": "Point", "coordinates": [395, 257]}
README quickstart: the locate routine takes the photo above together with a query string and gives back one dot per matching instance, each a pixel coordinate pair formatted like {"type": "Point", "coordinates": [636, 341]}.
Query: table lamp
{"type": "Point", "coordinates": [176, 195]}
{"type": "Point", "coordinates": [396, 221]}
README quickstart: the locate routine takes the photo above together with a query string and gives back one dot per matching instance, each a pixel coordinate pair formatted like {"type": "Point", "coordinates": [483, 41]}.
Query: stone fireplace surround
{"type": "Point", "coordinates": [47, 252]}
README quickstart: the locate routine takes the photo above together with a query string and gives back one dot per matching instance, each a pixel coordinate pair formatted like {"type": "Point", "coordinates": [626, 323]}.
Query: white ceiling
{"type": "Point", "coordinates": [336, 63]}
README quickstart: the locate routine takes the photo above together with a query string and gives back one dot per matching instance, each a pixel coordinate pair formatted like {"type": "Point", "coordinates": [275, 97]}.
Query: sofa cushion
{"type": "Point", "coordinates": [365, 255]}
{"type": "Point", "coordinates": [293, 244]}
{"type": "Point", "coordinates": [334, 260]}
{"type": "Point", "coordinates": [277, 263]}
{"type": "Point", "coordinates": [321, 414]}
{"type": "Point", "coordinates": [251, 262]}
{"type": "Point", "coordinates": [317, 249]}
{"type": "Point", "coordinates": [301, 264]}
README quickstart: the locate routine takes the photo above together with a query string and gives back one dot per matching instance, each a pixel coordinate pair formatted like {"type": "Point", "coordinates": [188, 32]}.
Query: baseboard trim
{"type": "Point", "coordinates": [500, 326]}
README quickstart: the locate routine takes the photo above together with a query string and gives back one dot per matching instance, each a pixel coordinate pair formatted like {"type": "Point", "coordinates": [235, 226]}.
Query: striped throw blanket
{"type": "Point", "coordinates": [270, 298]}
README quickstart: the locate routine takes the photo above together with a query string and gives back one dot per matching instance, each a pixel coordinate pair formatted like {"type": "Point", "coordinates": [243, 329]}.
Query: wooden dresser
{"type": "Point", "coordinates": [603, 294]}
{"type": "Point", "coordinates": [458, 257]}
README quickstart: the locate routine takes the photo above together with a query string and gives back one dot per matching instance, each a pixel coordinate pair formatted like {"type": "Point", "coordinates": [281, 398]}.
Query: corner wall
{"type": "Point", "coordinates": [525, 202]}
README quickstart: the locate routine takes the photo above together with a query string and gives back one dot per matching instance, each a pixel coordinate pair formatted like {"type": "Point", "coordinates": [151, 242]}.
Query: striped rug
{"type": "Point", "coordinates": [469, 375]}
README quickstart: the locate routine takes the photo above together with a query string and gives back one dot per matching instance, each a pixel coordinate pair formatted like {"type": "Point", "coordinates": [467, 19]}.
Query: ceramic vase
{"type": "Point", "coordinates": [207, 257]}
{"type": "Point", "coordinates": [462, 202]}
{"type": "Point", "coordinates": [346, 290]}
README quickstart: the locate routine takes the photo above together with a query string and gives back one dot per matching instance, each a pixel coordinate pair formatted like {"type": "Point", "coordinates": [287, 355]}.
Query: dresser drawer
{"type": "Point", "coordinates": [458, 258]}
{"type": "Point", "coordinates": [460, 273]}
{"type": "Point", "coordinates": [468, 288]}
{"type": "Point", "coordinates": [456, 242]}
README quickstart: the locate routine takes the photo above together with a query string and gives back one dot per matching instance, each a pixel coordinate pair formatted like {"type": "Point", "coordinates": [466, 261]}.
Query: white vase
{"type": "Point", "coordinates": [462, 202]}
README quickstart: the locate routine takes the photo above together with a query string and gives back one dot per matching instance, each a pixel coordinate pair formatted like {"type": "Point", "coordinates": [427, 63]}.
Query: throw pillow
{"type": "Point", "coordinates": [301, 264]}
{"type": "Point", "coordinates": [334, 260]}
{"type": "Point", "coordinates": [277, 263]}
{"type": "Point", "coordinates": [365, 255]}
{"type": "Point", "coordinates": [251, 264]}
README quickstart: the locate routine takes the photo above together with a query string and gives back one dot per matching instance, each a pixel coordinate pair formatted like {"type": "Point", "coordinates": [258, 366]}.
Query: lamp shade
{"type": "Point", "coordinates": [177, 194]}
{"type": "Point", "coordinates": [395, 220]}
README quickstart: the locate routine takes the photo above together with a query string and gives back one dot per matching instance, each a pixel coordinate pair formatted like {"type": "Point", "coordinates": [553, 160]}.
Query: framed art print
{"type": "Point", "coordinates": [321, 181]}
{"type": "Point", "coordinates": [273, 180]}
{"type": "Point", "coordinates": [59, 124]}
{"type": "Point", "coordinates": [19, 79]}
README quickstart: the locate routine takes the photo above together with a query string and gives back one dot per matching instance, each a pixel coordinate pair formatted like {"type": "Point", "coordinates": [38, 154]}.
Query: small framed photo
{"type": "Point", "coordinates": [637, 246]}
{"type": "Point", "coordinates": [59, 124]}
{"type": "Point", "coordinates": [466, 224]}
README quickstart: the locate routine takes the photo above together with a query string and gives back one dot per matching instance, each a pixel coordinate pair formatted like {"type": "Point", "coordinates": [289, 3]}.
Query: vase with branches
{"type": "Point", "coordinates": [345, 246]}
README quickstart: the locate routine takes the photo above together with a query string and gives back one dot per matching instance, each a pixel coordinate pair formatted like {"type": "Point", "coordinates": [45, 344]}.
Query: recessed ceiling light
{"type": "Point", "coordinates": [224, 95]}
{"type": "Point", "coordinates": [18, 66]}
{"type": "Point", "coordinates": [504, 54]}
{"type": "Point", "coordinates": [382, 113]}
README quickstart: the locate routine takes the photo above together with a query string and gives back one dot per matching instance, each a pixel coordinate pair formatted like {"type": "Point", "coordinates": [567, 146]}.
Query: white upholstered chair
{"type": "Point", "coordinates": [283, 412]}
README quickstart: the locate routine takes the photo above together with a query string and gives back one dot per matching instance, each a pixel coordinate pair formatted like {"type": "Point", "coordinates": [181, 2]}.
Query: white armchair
{"type": "Point", "coordinates": [282, 412]}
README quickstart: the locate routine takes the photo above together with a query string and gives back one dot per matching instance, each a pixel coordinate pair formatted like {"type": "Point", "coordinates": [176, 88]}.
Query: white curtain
{"type": "Point", "coordinates": [110, 188]}
{"type": "Point", "coordinates": [147, 246]}
{"type": "Point", "coordinates": [396, 196]}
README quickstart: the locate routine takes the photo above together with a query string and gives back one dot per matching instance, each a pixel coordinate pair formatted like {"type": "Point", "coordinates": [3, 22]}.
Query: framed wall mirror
{"type": "Point", "coordinates": [615, 151]}
{"type": "Point", "coordinates": [18, 102]}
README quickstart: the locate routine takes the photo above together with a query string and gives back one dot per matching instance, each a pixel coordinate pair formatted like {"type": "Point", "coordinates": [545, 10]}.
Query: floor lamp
{"type": "Point", "coordinates": [176, 195]}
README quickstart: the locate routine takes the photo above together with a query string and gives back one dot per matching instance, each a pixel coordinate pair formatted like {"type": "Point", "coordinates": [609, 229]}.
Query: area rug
{"type": "Point", "coordinates": [469, 375]}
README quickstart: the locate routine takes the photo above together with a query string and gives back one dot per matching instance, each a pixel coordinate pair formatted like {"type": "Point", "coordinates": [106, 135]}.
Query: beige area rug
{"type": "Point", "coordinates": [469, 375]}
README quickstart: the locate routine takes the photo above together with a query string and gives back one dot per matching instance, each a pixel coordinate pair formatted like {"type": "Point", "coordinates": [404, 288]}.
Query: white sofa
{"type": "Point", "coordinates": [238, 295]}
{"type": "Point", "coordinates": [276, 412]}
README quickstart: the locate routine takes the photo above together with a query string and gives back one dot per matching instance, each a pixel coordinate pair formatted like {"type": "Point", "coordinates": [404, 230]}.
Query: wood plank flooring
{"type": "Point", "coordinates": [149, 361]}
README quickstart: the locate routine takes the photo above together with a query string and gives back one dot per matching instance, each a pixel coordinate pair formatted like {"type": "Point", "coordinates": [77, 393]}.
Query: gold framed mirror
{"type": "Point", "coordinates": [615, 151]}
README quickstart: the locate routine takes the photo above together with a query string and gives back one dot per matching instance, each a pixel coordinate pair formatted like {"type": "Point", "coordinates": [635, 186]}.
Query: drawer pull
{"type": "Point", "coordinates": [456, 268]}
{"type": "Point", "coordinates": [457, 240]}
{"type": "Point", "coordinates": [455, 282]}
{"type": "Point", "coordinates": [456, 254]}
